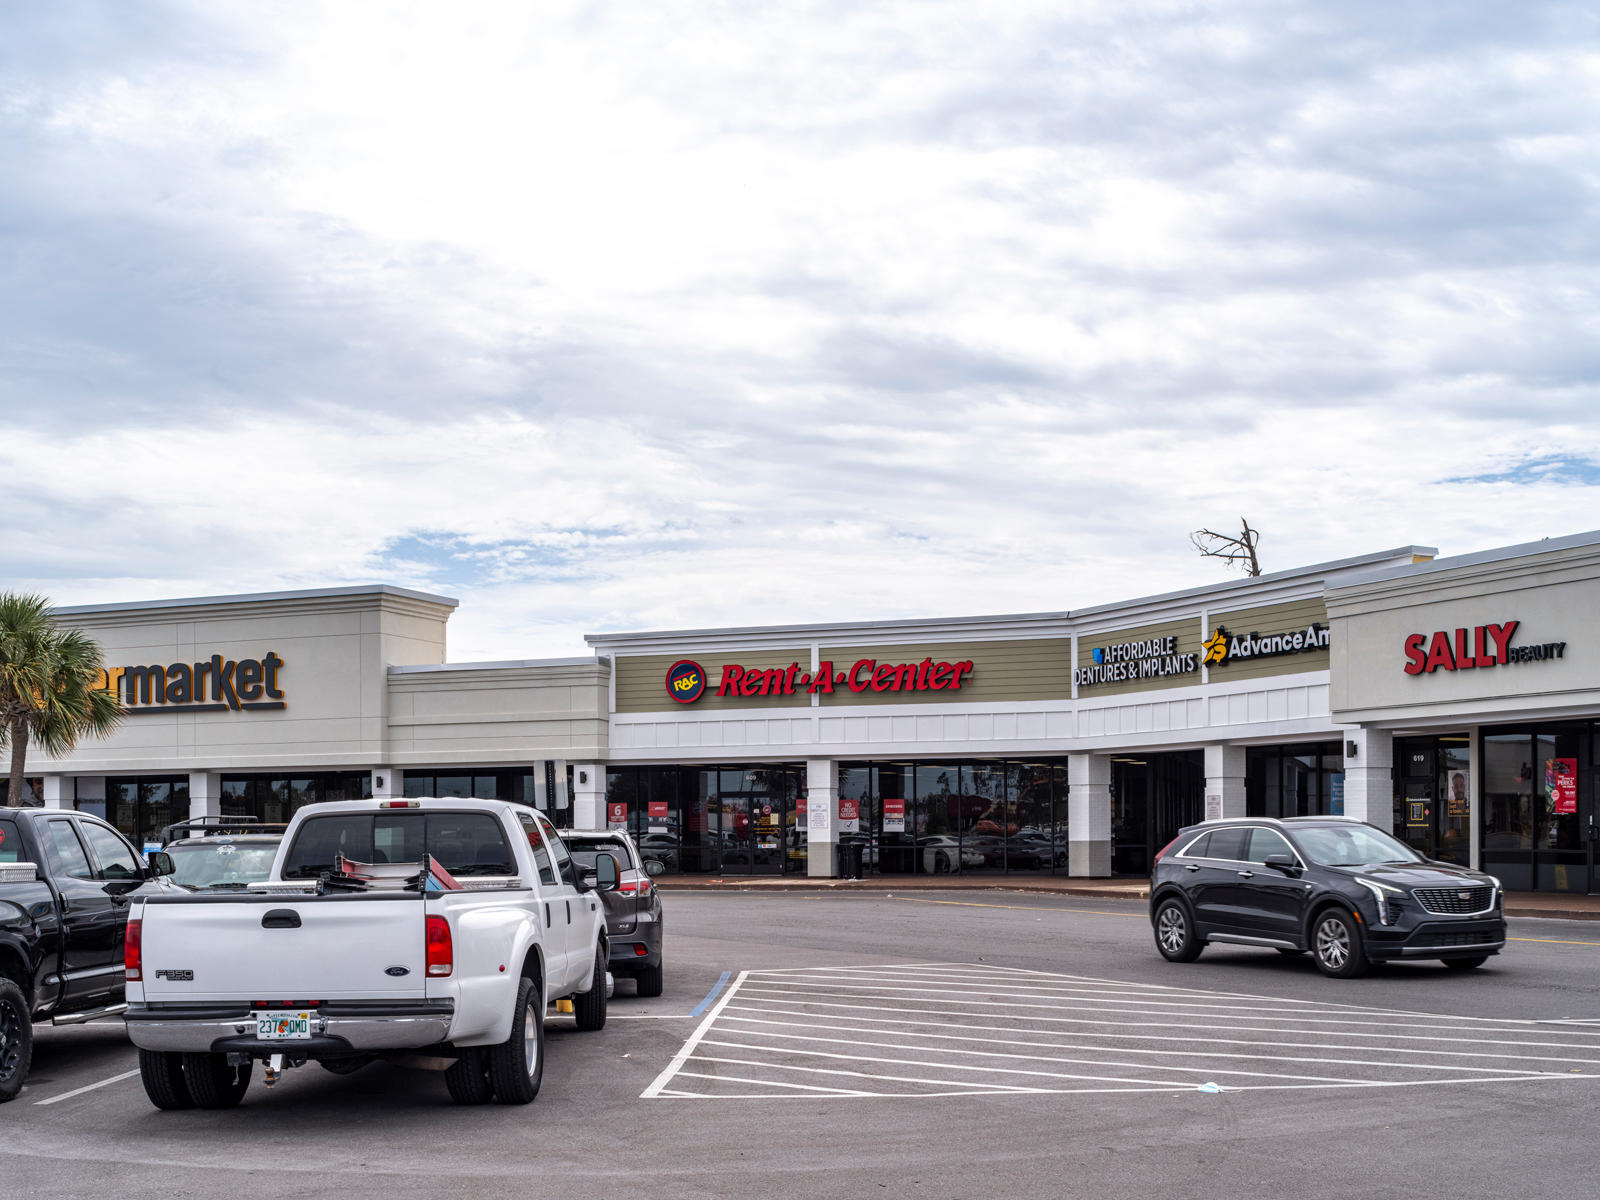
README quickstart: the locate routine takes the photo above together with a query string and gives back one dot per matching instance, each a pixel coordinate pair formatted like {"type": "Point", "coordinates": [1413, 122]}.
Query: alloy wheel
{"type": "Point", "coordinates": [10, 1039]}
{"type": "Point", "coordinates": [530, 1035]}
{"type": "Point", "coordinates": [1172, 929]}
{"type": "Point", "coordinates": [1333, 943]}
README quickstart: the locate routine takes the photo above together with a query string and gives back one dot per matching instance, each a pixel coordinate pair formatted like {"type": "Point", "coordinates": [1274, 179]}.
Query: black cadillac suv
{"type": "Point", "coordinates": [1345, 891]}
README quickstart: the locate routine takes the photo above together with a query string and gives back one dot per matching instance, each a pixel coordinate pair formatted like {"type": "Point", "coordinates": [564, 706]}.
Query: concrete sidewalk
{"type": "Point", "coordinates": [1555, 905]}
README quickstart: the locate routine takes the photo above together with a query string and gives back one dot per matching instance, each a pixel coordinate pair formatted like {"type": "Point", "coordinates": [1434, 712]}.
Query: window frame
{"type": "Point", "coordinates": [52, 850]}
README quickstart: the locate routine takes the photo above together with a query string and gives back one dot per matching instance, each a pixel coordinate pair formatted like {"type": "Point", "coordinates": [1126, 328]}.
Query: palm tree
{"type": "Point", "coordinates": [49, 685]}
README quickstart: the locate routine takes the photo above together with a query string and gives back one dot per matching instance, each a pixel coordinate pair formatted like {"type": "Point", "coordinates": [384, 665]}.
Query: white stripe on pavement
{"type": "Point", "coordinates": [91, 1087]}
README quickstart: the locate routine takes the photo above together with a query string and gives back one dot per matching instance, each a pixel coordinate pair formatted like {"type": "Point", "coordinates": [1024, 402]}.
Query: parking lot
{"type": "Point", "coordinates": [835, 1045]}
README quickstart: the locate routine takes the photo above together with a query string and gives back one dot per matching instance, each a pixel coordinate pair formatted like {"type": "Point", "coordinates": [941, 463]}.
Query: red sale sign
{"type": "Point", "coordinates": [849, 810]}
{"type": "Point", "coordinates": [617, 814]}
{"type": "Point", "coordinates": [894, 815]}
{"type": "Point", "coordinates": [658, 810]}
{"type": "Point", "coordinates": [1561, 784]}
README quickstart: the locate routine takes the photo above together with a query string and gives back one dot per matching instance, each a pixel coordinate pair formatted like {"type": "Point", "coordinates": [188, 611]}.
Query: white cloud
{"type": "Point", "coordinates": [618, 315]}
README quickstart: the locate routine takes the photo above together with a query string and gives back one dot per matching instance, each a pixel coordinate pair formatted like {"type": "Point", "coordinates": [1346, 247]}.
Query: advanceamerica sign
{"type": "Point", "coordinates": [1222, 647]}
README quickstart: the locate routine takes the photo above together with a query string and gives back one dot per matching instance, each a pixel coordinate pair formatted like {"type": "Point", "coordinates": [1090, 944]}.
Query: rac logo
{"type": "Point", "coordinates": [686, 682]}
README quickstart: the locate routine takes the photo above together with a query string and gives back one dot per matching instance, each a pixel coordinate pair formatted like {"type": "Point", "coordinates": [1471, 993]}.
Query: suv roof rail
{"type": "Point", "coordinates": [219, 825]}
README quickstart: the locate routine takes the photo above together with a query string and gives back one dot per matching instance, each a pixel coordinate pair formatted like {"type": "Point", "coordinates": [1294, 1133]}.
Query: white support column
{"type": "Point", "coordinates": [1225, 790]}
{"type": "Point", "coordinates": [1089, 816]}
{"type": "Point", "coordinates": [822, 818]}
{"type": "Point", "coordinates": [205, 794]}
{"type": "Point", "coordinates": [57, 791]}
{"type": "Point", "coordinates": [388, 783]}
{"type": "Point", "coordinates": [589, 794]}
{"type": "Point", "coordinates": [1369, 777]}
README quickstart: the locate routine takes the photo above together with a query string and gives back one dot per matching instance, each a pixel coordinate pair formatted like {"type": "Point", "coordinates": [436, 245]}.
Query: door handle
{"type": "Point", "coordinates": [281, 918]}
{"type": "Point", "coordinates": [1247, 874]}
{"type": "Point", "coordinates": [569, 912]}
{"type": "Point", "coordinates": [1191, 866]}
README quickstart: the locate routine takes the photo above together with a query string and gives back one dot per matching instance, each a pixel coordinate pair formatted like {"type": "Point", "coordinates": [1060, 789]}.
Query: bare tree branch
{"type": "Point", "coordinates": [1237, 549]}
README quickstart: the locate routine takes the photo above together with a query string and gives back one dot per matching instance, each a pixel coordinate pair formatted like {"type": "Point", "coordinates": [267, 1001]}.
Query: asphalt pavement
{"type": "Point", "coordinates": [841, 1045]}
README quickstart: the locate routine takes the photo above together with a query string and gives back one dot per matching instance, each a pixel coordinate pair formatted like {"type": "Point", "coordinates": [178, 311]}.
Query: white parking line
{"type": "Point", "coordinates": [920, 1030]}
{"type": "Point", "coordinates": [91, 1087]}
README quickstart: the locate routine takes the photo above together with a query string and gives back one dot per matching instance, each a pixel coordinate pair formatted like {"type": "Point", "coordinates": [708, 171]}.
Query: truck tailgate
{"type": "Point", "coordinates": [284, 948]}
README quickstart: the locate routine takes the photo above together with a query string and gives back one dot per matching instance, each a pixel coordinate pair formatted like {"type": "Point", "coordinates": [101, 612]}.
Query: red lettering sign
{"type": "Point", "coordinates": [1461, 649]}
{"type": "Point", "coordinates": [864, 675]}
{"type": "Point", "coordinates": [617, 814]}
{"type": "Point", "coordinates": [849, 810]}
{"type": "Point", "coordinates": [658, 810]}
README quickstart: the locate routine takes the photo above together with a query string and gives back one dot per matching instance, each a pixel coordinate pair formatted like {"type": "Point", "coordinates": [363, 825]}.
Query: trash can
{"type": "Point", "coordinates": [850, 860]}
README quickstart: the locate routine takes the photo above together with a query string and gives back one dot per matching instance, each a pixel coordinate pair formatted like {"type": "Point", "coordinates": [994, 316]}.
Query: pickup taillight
{"type": "Point", "coordinates": [133, 950]}
{"type": "Point", "coordinates": [440, 953]}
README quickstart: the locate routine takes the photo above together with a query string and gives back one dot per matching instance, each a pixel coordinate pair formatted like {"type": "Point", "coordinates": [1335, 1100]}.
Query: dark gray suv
{"type": "Point", "coordinates": [1343, 890]}
{"type": "Point", "coordinates": [634, 922]}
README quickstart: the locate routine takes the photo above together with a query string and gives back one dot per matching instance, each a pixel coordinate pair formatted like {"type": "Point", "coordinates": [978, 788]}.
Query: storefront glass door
{"type": "Point", "coordinates": [1539, 808]}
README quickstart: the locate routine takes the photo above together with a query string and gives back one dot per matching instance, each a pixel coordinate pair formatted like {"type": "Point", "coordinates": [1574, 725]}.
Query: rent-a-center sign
{"type": "Point", "coordinates": [686, 681]}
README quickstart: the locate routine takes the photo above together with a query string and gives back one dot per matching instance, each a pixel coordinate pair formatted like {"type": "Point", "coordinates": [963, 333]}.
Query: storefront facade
{"type": "Point", "coordinates": [1454, 701]}
{"type": "Point", "coordinates": [1074, 742]}
{"type": "Point", "coordinates": [1484, 671]}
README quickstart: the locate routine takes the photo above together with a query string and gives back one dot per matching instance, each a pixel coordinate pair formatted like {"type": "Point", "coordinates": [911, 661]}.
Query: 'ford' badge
{"type": "Point", "coordinates": [397, 971]}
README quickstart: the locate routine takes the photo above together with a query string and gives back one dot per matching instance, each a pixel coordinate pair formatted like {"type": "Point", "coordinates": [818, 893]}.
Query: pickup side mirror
{"type": "Point", "coordinates": [1283, 862]}
{"type": "Point", "coordinates": [607, 873]}
{"type": "Point", "coordinates": [160, 864]}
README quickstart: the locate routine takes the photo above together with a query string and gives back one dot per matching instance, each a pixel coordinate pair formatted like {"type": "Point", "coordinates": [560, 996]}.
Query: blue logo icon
{"type": "Point", "coordinates": [1099, 656]}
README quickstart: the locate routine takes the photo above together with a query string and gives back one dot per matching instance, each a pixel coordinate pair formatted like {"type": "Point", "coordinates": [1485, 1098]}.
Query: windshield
{"type": "Point", "coordinates": [221, 864]}
{"type": "Point", "coordinates": [584, 853]}
{"type": "Point", "coordinates": [1352, 846]}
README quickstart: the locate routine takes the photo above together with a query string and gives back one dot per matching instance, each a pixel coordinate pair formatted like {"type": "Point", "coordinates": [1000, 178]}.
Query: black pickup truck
{"type": "Point", "coordinates": [65, 882]}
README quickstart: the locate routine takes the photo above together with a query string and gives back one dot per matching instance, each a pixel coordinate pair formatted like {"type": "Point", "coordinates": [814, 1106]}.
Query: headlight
{"type": "Point", "coordinates": [1386, 895]}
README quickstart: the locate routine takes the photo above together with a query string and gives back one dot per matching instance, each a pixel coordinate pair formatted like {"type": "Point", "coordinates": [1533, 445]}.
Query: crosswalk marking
{"type": "Point", "coordinates": [907, 1030]}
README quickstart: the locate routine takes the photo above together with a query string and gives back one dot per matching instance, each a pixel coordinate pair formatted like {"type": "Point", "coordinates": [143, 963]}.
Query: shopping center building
{"type": "Point", "coordinates": [1455, 701]}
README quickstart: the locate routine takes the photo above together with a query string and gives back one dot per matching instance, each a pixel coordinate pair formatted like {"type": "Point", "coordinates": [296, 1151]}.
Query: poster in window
{"type": "Point", "coordinates": [1561, 785]}
{"type": "Point", "coordinates": [1336, 793]}
{"type": "Point", "coordinates": [894, 815]}
{"type": "Point", "coordinates": [849, 815]}
{"type": "Point", "coordinates": [1458, 785]}
{"type": "Point", "coordinates": [617, 816]}
{"type": "Point", "coordinates": [658, 816]}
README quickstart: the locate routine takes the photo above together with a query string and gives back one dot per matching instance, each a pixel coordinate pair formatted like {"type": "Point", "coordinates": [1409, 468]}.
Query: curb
{"type": "Point", "coordinates": [855, 885]}
{"type": "Point", "coordinates": [711, 887]}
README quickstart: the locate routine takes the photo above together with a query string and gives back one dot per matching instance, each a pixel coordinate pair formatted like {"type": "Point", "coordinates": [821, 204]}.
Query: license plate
{"type": "Point", "coordinates": [284, 1027]}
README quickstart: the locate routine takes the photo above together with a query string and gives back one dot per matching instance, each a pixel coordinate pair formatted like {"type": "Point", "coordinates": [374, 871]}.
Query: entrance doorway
{"type": "Point", "coordinates": [1539, 808]}
{"type": "Point", "coordinates": [1152, 797]}
{"type": "Point", "coordinates": [751, 833]}
{"type": "Point", "coordinates": [1431, 808]}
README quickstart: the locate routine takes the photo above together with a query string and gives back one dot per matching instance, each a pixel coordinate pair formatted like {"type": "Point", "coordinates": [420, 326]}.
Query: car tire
{"type": "Point", "coordinates": [468, 1078]}
{"type": "Point", "coordinates": [941, 864]}
{"type": "Point", "coordinates": [650, 979]}
{"type": "Point", "coordinates": [1175, 936]}
{"type": "Point", "coordinates": [1466, 964]}
{"type": "Point", "coordinates": [212, 1082]}
{"type": "Point", "coordinates": [590, 1007]}
{"type": "Point", "coordinates": [16, 1039]}
{"type": "Point", "coordinates": [516, 1065]}
{"type": "Point", "coordinates": [161, 1072]}
{"type": "Point", "coordinates": [1336, 945]}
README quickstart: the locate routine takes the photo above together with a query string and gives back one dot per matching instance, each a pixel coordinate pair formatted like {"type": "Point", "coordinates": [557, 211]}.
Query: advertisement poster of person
{"type": "Point", "coordinates": [1561, 785]}
{"type": "Point", "coordinates": [1455, 804]}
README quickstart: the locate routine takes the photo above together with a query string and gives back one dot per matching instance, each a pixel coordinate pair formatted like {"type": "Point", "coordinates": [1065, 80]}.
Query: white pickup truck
{"type": "Point", "coordinates": [293, 970]}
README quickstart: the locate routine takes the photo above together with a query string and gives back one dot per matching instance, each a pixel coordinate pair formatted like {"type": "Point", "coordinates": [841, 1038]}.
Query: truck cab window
{"type": "Point", "coordinates": [117, 859]}
{"type": "Point", "coordinates": [67, 856]}
{"type": "Point", "coordinates": [541, 856]}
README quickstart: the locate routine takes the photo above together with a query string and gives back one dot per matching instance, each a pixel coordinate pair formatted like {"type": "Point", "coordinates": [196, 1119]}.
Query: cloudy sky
{"type": "Point", "coordinates": [623, 315]}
